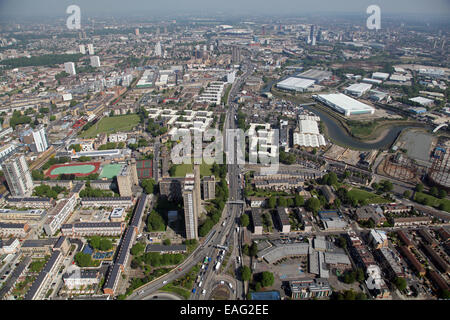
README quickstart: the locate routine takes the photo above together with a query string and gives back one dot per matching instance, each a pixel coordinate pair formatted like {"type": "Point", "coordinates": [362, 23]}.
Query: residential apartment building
{"type": "Point", "coordinates": [18, 176]}
{"type": "Point", "coordinates": [59, 214]}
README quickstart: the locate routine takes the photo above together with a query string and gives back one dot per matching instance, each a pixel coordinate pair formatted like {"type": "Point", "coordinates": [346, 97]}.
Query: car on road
{"type": "Point", "coordinates": [194, 290]}
{"type": "Point", "coordinates": [204, 292]}
{"type": "Point", "coordinates": [165, 281]}
{"type": "Point", "coordinates": [222, 282]}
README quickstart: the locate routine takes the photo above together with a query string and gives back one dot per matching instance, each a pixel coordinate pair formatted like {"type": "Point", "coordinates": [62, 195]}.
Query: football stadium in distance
{"type": "Point", "coordinates": [344, 104]}
{"type": "Point", "coordinates": [78, 169]}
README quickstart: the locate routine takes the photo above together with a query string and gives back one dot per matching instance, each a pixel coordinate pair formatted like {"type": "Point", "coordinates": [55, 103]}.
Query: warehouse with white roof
{"type": "Point", "coordinates": [296, 84]}
{"type": "Point", "coordinates": [344, 104]}
{"type": "Point", "coordinates": [423, 101]}
{"type": "Point", "coordinates": [309, 134]}
{"type": "Point", "coordinates": [358, 89]}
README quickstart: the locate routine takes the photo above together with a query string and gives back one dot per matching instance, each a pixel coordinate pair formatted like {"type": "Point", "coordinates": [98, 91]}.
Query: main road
{"type": "Point", "coordinates": [221, 234]}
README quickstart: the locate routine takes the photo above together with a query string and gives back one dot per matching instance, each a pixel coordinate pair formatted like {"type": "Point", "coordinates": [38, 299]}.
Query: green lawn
{"type": "Point", "coordinates": [177, 290]}
{"type": "Point", "coordinates": [111, 125]}
{"type": "Point", "coordinates": [432, 201]}
{"type": "Point", "coordinates": [361, 195]}
{"type": "Point", "coordinates": [182, 169]}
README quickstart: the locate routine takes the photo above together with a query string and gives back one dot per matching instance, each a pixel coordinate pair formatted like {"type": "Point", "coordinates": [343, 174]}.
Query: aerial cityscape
{"type": "Point", "coordinates": [243, 152]}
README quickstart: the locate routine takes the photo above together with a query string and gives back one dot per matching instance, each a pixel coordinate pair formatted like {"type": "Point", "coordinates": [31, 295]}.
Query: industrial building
{"type": "Point", "coordinates": [308, 134]}
{"type": "Point", "coordinates": [344, 104]}
{"type": "Point", "coordinates": [316, 75]}
{"type": "Point", "coordinates": [295, 84]}
{"type": "Point", "coordinates": [358, 89]}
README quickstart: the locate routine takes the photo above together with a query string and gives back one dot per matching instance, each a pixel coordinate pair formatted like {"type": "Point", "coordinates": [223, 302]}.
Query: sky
{"type": "Point", "coordinates": [36, 8]}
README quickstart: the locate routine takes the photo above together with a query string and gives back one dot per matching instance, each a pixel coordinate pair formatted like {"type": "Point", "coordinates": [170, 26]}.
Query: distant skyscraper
{"type": "Point", "coordinates": [91, 48]}
{"type": "Point", "coordinates": [313, 42]}
{"type": "Point", "coordinates": [37, 139]}
{"type": "Point", "coordinates": [236, 54]}
{"type": "Point", "coordinates": [263, 30]}
{"type": "Point", "coordinates": [319, 35]}
{"type": "Point", "coordinates": [136, 31]}
{"type": "Point", "coordinates": [158, 49]}
{"type": "Point", "coordinates": [82, 49]}
{"type": "Point", "coordinates": [70, 68]}
{"type": "Point", "coordinates": [311, 32]}
{"type": "Point", "coordinates": [18, 176]}
{"type": "Point", "coordinates": [95, 61]}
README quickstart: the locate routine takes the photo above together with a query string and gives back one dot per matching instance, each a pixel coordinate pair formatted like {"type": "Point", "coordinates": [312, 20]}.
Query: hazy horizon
{"type": "Point", "coordinates": [57, 8]}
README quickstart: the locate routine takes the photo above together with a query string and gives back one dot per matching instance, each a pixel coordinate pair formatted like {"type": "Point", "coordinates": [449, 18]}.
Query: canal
{"type": "Point", "coordinates": [339, 135]}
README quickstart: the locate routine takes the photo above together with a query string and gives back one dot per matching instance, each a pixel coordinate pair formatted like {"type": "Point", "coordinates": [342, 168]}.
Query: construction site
{"type": "Point", "coordinates": [439, 173]}
{"type": "Point", "coordinates": [399, 166]}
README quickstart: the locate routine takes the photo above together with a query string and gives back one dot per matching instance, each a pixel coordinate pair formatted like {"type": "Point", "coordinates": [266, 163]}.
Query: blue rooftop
{"type": "Point", "coordinates": [266, 295]}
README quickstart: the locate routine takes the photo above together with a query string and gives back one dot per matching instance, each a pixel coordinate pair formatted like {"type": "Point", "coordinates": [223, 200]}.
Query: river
{"type": "Point", "coordinates": [340, 136]}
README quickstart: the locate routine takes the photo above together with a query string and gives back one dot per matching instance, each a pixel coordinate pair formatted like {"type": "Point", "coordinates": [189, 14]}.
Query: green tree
{"type": "Point", "coordinates": [361, 296]}
{"type": "Point", "coordinates": [313, 204]}
{"type": "Point", "coordinates": [138, 249]}
{"type": "Point", "coordinates": [342, 242]}
{"type": "Point", "coordinates": [442, 194]}
{"type": "Point", "coordinates": [400, 283]}
{"type": "Point", "coordinates": [267, 279]}
{"type": "Point", "coordinates": [246, 250]}
{"type": "Point", "coordinates": [434, 191]}
{"type": "Point", "coordinates": [84, 260]}
{"type": "Point", "coordinates": [299, 201]}
{"type": "Point", "coordinates": [332, 178]}
{"type": "Point", "coordinates": [272, 202]}
{"type": "Point", "coordinates": [245, 220]}
{"type": "Point", "coordinates": [253, 249]}
{"type": "Point", "coordinates": [148, 185]}
{"type": "Point", "coordinates": [246, 273]}
{"type": "Point", "coordinates": [105, 245]}
{"type": "Point", "coordinates": [350, 295]}
{"type": "Point", "coordinates": [155, 222]}
{"type": "Point", "coordinates": [419, 187]}
{"type": "Point", "coordinates": [167, 242]}
{"type": "Point", "coordinates": [360, 275]}
{"type": "Point", "coordinates": [407, 194]}
{"type": "Point", "coordinates": [282, 202]}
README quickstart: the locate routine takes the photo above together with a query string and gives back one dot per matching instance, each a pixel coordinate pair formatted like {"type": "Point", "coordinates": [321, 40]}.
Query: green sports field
{"type": "Point", "coordinates": [182, 169]}
{"type": "Point", "coordinates": [112, 125]}
{"type": "Point", "coordinates": [83, 169]}
{"type": "Point", "coordinates": [110, 170]}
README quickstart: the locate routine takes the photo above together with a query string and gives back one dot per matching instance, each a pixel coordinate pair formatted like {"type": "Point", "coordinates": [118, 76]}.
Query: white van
{"type": "Point", "coordinates": [200, 284]}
